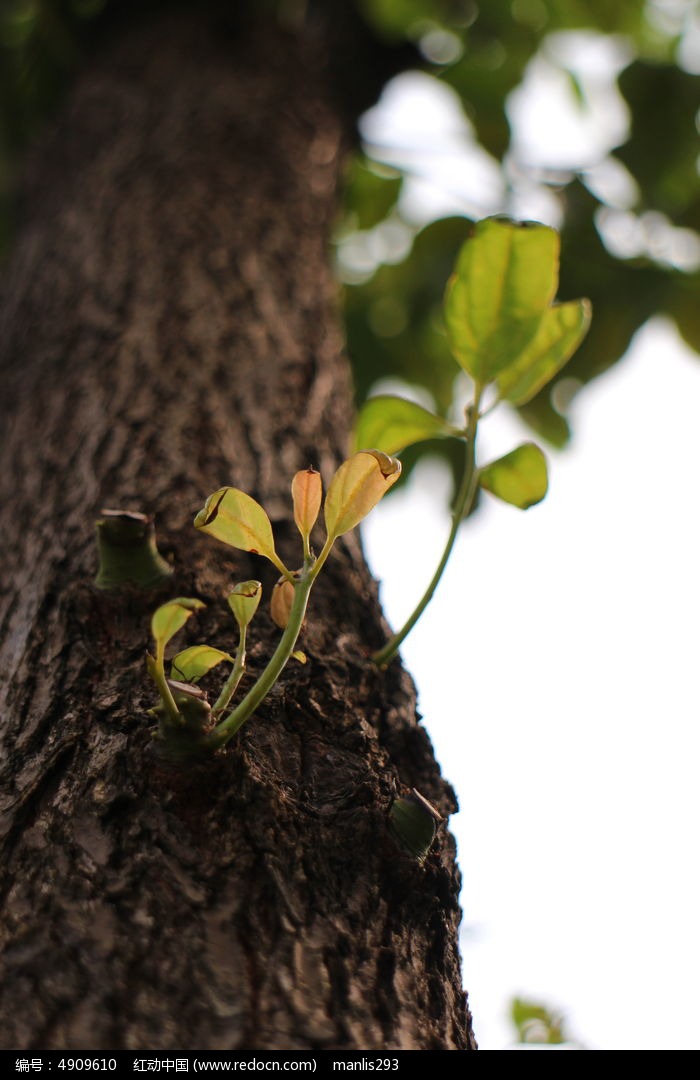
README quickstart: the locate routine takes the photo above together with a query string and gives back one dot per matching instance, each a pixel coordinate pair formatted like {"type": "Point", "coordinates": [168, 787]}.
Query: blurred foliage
{"type": "Point", "coordinates": [538, 1024]}
{"type": "Point", "coordinates": [371, 192]}
{"type": "Point", "coordinates": [393, 314]}
{"type": "Point", "coordinates": [482, 51]}
{"type": "Point", "coordinates": [39, 48]}
{"type": "Point", "coordinates": [662, 150]}
{"type": "Point", "coordinates": [394, 320]}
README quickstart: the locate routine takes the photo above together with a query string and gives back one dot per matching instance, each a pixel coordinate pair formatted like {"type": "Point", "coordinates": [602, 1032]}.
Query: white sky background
{"type": "Point", "coordinates": [557, 664]}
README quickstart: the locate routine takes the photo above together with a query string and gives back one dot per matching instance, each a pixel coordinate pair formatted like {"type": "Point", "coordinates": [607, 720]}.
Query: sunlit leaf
{"type": "Point", "coordinates": [307, 492]}
{"type": "Point", "coordinates": [519, 478]}
{"type": "Point", "coordinates": [243, 601]}
{"type": "Point", "coordinates": [558, 335]}
{"type": "Point", "coordinates": [505, 278]}
{"type": "Point", "coordinates": [392, 423]}
{"type": "Point", "coordinates": [171, 617]}
{"type": "Point", "coordinates": [191, 664]}
{"type": "Point", "coordinates": [235, 518]}
{"type": "Point", "coordinates": [357, 487]}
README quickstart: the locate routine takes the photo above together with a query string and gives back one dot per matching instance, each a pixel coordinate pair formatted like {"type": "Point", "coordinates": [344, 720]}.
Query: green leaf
{"type": "Point", "coordinates": [238, 520]}
{"type": "Point", "coordinates": [560, 332]}
{"type": "Point", "coordinates": [392, 423]}
{"type": "Point", "coordinates": [505, 278]}
{"type": "Point", "coordinates": [191, 664]}
{"type": "Point", "coordinates": [356, 488]}
{"type": "Point", "coordinates": [171, 617]}
{"type": "Point", "coordinates": [519, 478]}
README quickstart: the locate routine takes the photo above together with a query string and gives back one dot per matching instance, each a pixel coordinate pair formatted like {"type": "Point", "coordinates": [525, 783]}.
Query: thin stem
{"type": "Point", "coordinates": [462, 506]}
{"type": "Point", "coordinates": [231, 684]}
{"type": "Point", "coordinates": [317, 566]}
{"type": "Point", "coordinates": [157, 670]}
{"type": "Point", "coordinates": [279, 565]}
{"type": "Point", "coordinates": [236, 719]}
{"type": "Point", "coordinates": [306, 540]}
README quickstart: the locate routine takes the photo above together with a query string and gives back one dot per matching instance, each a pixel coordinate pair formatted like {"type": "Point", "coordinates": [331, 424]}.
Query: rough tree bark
{"type": "Point", "coordinates": [169, 325]}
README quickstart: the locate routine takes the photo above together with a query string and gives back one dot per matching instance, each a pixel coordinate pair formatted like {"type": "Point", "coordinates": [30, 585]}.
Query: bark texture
{"type": "Point", "coordinates": [168, 326]}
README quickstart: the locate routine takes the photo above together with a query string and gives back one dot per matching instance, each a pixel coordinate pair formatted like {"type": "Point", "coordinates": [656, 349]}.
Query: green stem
{"type": "Point", "coordinates": [317, 566]}
{"type": "Point", "coordinates": [236, 719]}
{"type": "Point", "coordinates": [157, 670]}
{"type": "Point", "coordinates": [462, 506]}
{"type": "Point", "coordinates": [231, 684]}
{"type": "Point", "coordinates": [279, 565]}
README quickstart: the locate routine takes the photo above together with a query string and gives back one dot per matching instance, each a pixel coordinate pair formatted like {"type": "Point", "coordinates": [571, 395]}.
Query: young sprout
{"type": "Point", "coordinates": [236, 519]}
{"type": "Point", "coordinates": [243, 601]}
{"type": "Point", "coordinates": [165, 623]}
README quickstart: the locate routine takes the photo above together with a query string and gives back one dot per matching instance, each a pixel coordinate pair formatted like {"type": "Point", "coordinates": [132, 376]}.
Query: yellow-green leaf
{"type": "Point", "coordinates": [519, 478]}
{"type": "Point", "coordinates": [244, 600]}
{"type": "Point", "coordinates": [560, 332]}
{"type": "Point", "coordinates": [392, 423]}
{"type": "Point", "coordinates": [171, 617]}
{"type": "Point", "coordinates": [191, 664]}
{"type": "Point", "coordinates": [356, 488]}
{"type": "Point", "coordinates": [505, 278]}
{"type": "Point", "coordinates": [235, 518]}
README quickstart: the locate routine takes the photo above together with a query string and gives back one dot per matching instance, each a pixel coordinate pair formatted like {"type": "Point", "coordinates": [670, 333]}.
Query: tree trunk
{"type": "Point", "coordinates": [169, 325]}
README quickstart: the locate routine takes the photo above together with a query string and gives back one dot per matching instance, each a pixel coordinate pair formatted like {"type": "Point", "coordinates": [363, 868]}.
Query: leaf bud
{"type": "Point", "coordinates": [281, 603]}
{"type": "Point", "coordinates": [307, 492]}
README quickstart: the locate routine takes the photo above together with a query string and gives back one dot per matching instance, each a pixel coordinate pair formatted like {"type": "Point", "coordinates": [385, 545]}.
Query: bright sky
{"type": "Point", "coordinates": [557, 666]}
{"type": "Point", "coordinates": [557, 671]}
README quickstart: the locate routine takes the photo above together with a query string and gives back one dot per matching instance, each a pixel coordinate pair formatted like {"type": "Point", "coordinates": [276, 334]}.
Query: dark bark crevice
{"type": "Point", "coordinates": [169, 325]}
